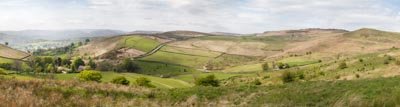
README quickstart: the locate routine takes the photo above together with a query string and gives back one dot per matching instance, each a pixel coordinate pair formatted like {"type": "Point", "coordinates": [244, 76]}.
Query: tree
{"type": "Point", "coordinates": [87, 41]}
{"type": "Point", "coordinates": [66, 62]}
{"type": "Point", "coordinates": [288, 76]}
{"type": "Point", "coordinates": [342, 65]}
{"type": "Point", "coordinates": [120, 80]}
{"type": "Point", "coordinates": [58, 61]}
{"type": "Point", "coordinates": [129, 66]}
{"type": "Point", "coordinates": [143, 81]}
{"type": "Point", "coordinates": [80, 43]}
{"type": "Point", "coordinates": [209, 80]}
{"type": "Point", "coordinates": [76, 63]}
{"type": "Point", "coordinates": [265, 66]}
{"type": "Point", "coordinates": [92, 64]}
{"type": "Point", "coordinates": [90, 76]}
{"type": "Point", "coordinates": [51, 68]}
{"type": "Point", "coordinates": [6, 43]}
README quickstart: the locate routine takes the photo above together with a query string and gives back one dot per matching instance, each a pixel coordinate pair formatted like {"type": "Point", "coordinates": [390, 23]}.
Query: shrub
{"type": "Point", "coordinates": [357, 75]}
{"type": "Point", "coordinates": [129, 66]}
{"type": "Point", "coordinates": [76, 63]}
{"type": "Point", "coordinates": [3, 72]}
{"type": "Point", "coordinates": [209, 80]}
{"type": "Point", "coordinates": [90, 76]}
{"type": "Point", "coordinates": [265, 66]}
{"type": "Point", "coordinates": [120, 80]}
{"type": "Point", "coordinates": [342, 65]}
{"type": "Point", "coordinates": [288, 76]}
{"type": "Point", "coordinates": [143, 81]}
{"type": "Point", "coordinates": [256, 82]}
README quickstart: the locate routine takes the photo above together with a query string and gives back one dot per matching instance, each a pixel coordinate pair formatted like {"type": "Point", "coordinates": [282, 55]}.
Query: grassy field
{"type": "Point", "coordinates": [228, 60]}
{"type": "Point", "coordinates": [187, 60]}
{"type": "Point", "coordinates": [162, 69]}
{"type": "Point", "coordinates": [191, 51]}
{"type": "Point", "coordinates": [141, 43]}
{"type": "Point", "coordinates": [191, 77]}
{"type": "Point", "coordinates": [3, 60]}
{"type": "Point", "coordinates": [245, 68]}
{"type": "Point", "coordinates": [108, 76]}
{"type": "Point", "coordinates": [355, 93]}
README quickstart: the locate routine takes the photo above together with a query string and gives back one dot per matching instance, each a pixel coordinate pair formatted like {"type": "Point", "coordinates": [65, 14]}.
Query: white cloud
{"type": "Point", "coordinates": [241, 16]}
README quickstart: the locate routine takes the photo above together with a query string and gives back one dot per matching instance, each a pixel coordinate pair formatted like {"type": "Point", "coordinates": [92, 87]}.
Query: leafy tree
{"type": "Point", "coordinates": [66, 62]}
{"type": "Point", "coordinates": [92, 64]}
{"type": "Point", "coordinates": [120, 80]}
{"type": "Point", "coordinates": [288, 76]}
{"type": "Point", "coordinates": [129, 66]}
{"type": "Point", "coordinates": [6, 43]}
{"type": "Point", "coordinates": [76, 63]}
{"type": "Point", "coordinates": [209, 80]}
{"type": "Point", "coordinates": [265, 66]}
{"type": "Point", "coordinates": [87, 41]}
{"type": "Point", "coordinates": [342, 65]}
{"type": "Point", "coordinates": [90, 76]}
{"type": "Point", "coordinates": [51, 68]}
{"type": "Point", "coordinates": [143, 81]}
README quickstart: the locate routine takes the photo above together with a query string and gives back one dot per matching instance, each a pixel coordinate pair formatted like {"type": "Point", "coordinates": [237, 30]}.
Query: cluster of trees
{"type": "Point", "coordinates": [59, 51]}
{"type": "Point", "coordinates": [127, 65]}
{"type": "Point", "coordinates": [209, 80]}
{"type": "Point", "coordinates": [49, 64]}
{"type": "Point", "coordinates": [265, 66]}
{"type": "Point", "coordinates": [90, 75]}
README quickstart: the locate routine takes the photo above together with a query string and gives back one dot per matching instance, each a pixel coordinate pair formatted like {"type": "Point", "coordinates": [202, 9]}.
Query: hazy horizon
{"type": "Point", "coordinates": [241, 16]}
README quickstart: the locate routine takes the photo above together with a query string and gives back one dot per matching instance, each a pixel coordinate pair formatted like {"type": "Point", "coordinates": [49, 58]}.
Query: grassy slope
{"type": "Point", "coordinates": [187, 60]}
{"type": "Point", "coordinates": [158, 82]}
{"type": "Point", "coordinates": [11, 53]}
{"type": "Point", "coordinates": [163, 70]}
{"type": "Point", "coordinates": [355, 93]}
{"type": "Point", "coordinates": [2, 60]}
{"type": "Point", "coordinates": [191, 51]}
{"type": "Point", "coordinates": [141, 43]}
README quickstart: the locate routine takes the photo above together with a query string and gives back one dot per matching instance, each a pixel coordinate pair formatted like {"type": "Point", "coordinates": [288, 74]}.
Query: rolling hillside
{"type": "Point", "coordinates": [219, 52]}
{"type": "Point", "coordinates": [9, 53]}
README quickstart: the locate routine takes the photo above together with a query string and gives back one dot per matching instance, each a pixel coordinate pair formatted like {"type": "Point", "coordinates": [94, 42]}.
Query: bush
{"type": "Point", "coordinates": [342, 65]}
{"type": "Point", "coordinates": [3, 72]}
{"type": "Point", "coordinates": [265, 66]}
{"type": "Point", "coordinates": [120, 80]}
{"type": "Point", "coordinates": [209, 80]}
{"type": "Point", "coordinates": [256, 82]}
{"type": "Point", "coordinates": [288, 76]}
{"type": "Point", "coordinates": [143, 81]}
{"type": "Point", "coordinates": [90, 76]}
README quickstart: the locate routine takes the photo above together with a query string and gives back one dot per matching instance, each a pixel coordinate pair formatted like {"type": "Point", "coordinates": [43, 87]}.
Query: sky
{"type": "Point", "coordinates": [236, 16]}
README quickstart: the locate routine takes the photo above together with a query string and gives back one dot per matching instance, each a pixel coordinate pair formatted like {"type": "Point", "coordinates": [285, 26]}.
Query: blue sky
{"type": "Point", "coordinates": [237, 16]}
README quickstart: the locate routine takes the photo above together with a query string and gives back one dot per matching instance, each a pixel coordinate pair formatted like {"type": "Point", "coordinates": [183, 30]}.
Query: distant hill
{"type": "Point", "coordinates": [225, 34]}
{"type": "Point", "coordinates": [145, 32]}
{"type": "Point", "coordinates": [61, 34]}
